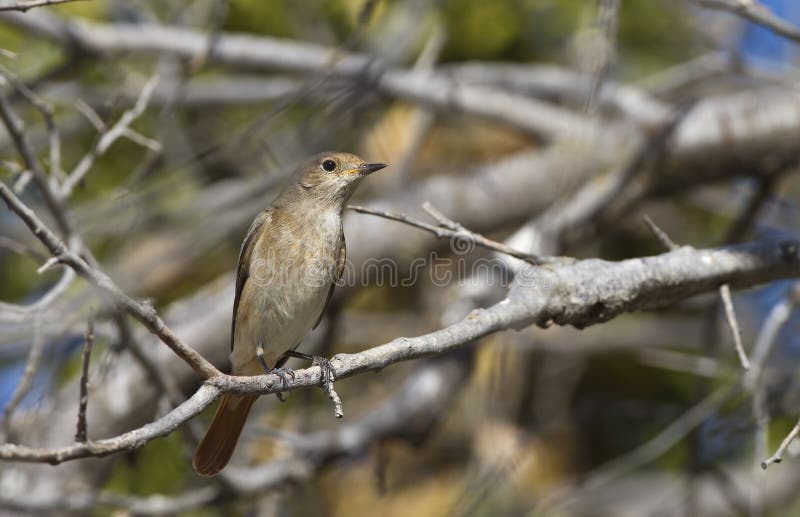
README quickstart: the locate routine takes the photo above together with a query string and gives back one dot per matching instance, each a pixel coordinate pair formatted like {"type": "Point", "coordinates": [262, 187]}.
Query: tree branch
{"type": "Point", "coordinates": [120, 129]}
{"type": "Point", "coordinates": [578, 294]}
{"type": "Point", "coordinates": [30, 4]}
{"type": "Point", "coordinates": [242, 50]}
{"type": "Point", "coordinates": [453, 230]}
{"type": "Point", "coordinates": [143, 313]}
{"type": "Point", "coordinates": [80, 433]}
{"type": "Point", "coordinates": [754, 11]}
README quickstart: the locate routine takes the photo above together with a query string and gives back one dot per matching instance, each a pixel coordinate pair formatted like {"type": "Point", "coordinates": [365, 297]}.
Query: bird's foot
{"type": "Point", "coordinates": [326, 377]}
{"type": "Point", "coordinates": [284, 374]}
{"type": "Point", "coordinates": [325, 365]}
{"type": "Point", "coordinates": [316, 360]}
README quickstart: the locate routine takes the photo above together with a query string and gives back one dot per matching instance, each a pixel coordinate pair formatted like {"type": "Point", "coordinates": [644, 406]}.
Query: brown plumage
{"type": "Point", "coordinates": [290, 261]}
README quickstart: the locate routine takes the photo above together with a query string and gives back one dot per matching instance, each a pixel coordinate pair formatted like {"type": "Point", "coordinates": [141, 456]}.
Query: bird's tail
{"type": "Point", "coordinates": [217, 445]}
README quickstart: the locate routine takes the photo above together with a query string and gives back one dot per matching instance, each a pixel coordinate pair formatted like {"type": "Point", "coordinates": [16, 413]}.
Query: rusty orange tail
{"type": "Point", "coordinates": [217, 446]}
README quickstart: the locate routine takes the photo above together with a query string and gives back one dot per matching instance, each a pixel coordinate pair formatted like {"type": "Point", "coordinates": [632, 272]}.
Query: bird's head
{"type": "Point", "coordinates": [332, 176]}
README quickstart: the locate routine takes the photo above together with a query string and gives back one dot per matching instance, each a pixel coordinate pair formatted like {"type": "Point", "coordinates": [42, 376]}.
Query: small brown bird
{"type": "Point", "coordinates": [290, 261]}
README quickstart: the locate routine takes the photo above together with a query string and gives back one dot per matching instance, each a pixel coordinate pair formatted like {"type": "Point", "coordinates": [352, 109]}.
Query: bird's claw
{"type": "Point", "coordinates": [283, 373]}
{"type": "Point", "coordinates": [325, 365]}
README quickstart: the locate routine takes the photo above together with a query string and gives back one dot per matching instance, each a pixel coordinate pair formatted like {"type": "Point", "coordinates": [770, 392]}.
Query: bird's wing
{"type": "Point", "coordinates": [339, 269]}
{"type": "Point", "coordinates": [243, 269]}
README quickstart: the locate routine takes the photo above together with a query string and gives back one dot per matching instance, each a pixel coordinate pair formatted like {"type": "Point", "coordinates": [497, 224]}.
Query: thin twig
{"type": "Point", "coordinates": [755, 12]}
{"type": "Point", "coordinates": [30, 4]}
{"type": "Point", "coordinates": [26, 382]}
{"type": "Point", "coordinates": [724, 293]}
{"type": "Point", "coordinates": [778, 456]}
{"type": "Point", "coordinates": [660, 234]}
{"type": "Point", "coordinates": [140, 139]}
{"type": "Point", "coordinates": [71, 502]}
{"type": "Point", "coordinates": [80, 432]}
{"type": "Point", "coordinates": [91, 115]}
{"type": "Point", "coordinates": [144, 313]}
{"type": "Point", "coordinates": [607, 23]}
{"type": "Point", "coordinates": [449, 229]}
{"type": "Point", "coordinates": [25, 313]}
{"type": "Point", "coordinates": [768, 334]}
{"type": "Point", "coordinates": [46, 110]}
{"type": "Point", "coordinates": [21, 249]}
{"type": "Point", "coordinates": [109, 137]}
{"type": "Point", "coordinates": [730, 314]}
{"type": "Point", "coordinates": [16, 128]}
{"type": "Point", "coordinates": [582, 209]}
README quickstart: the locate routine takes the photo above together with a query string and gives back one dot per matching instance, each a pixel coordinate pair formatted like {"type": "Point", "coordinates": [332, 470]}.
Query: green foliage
{"type": "Point", "coordinates": [651, 34]}
{"type": "Point", "coordinates": [480, 30]}
{"type": "Point", "coordinates": [160, 467]}
{"type": "Point", "coordinates": [260, 17]}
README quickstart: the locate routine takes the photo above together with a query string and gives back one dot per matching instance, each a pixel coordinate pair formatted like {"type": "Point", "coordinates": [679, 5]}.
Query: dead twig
{"type": "Point", "coordinates": [756, 12]}
{"type": "Point", "coordinates": [449, 229]}
{"type": "Point", "coordinates": [30, 4]}
{"type": "Point", "coordinates": [80, 432]}
{"type": "Point", "coordinates": [724, 293]}
{"type": "Point", "coordinates": [144, 313]}
{"type": "Point", "coordinates": [120, 129]}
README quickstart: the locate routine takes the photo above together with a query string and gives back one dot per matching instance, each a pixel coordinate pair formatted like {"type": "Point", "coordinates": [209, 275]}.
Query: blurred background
{"type": "Point", "coordinates": [552, 125]}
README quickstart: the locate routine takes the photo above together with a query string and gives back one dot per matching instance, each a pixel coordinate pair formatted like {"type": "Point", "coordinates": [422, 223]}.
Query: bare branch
{"type": "Point", "coordinates": [607, 23]}
{"type": "Point", "coordinates": [15, 128]}
{"type": "Point", "coordinates": [143, 313]}
{"type": "Point", "coordinates": [120, 129]}
{"type": "Point", "coordinates": [91, 115]}
{"type": "Point", "coordinates": [261, 52]}
{"type": "Point", "coordinates": [660, 234]}
{"type": "Point", "coordinates": [46, 111]}
{"type": "Point", "coordinates": [755, 12]}
{"type": "Point", "coordinates": [421, 399]}
{"type": "Point", "coordinates": [578, 294]}
{"type": "Point", "coordinates": [136, 505]}
{"type": "Point", "coordinates": [724, 293]}
{"type": "Point", "coordinates": [25, 383]}
{"type": "Point", "coordinates": [30, 4]}
{"type": "Point", "coordinates": [10, 313]}
{"type": "Point", "coordinates": [730, 315]}
{"type": "Point", "coordinates": [776, 320]}
{"type": "Point", "coordinates": [80, 433]}
{"type": "Point", "coordinates": [452, 230]}
{"type": "Point", "coordinates": [778, 456]}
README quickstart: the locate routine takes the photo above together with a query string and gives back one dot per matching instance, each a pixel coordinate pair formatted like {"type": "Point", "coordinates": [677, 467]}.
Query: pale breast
{"type": "Point", "coordinates": [291, 272]}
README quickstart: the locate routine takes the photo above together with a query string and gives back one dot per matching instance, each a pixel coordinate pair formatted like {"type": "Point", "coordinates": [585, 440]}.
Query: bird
{"type": "Point", "coordinates": [289, 263]}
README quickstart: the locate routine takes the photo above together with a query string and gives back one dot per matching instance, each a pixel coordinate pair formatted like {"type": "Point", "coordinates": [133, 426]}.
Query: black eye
{"type": "Point", "coordinates": [329, 165]}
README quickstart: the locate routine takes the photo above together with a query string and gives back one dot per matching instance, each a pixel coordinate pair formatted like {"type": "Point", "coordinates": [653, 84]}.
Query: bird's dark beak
{"type": "Point", "coordinates": [369, 168]}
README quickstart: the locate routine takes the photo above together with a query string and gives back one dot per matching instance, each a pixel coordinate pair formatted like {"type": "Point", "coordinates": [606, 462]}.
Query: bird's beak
{"type": "Point", "coordinates": [368, 168]}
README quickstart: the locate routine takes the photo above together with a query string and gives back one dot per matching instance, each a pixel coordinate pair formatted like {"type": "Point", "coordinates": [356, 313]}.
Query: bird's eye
{"type": "Point", "coordinates": [329, 165]}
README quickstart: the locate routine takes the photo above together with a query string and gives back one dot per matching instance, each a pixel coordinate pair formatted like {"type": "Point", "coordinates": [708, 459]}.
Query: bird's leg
{"type": "Point", "coordinates": [260, 355]}
{"type": "Point", "coordinates": [278, 370]}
